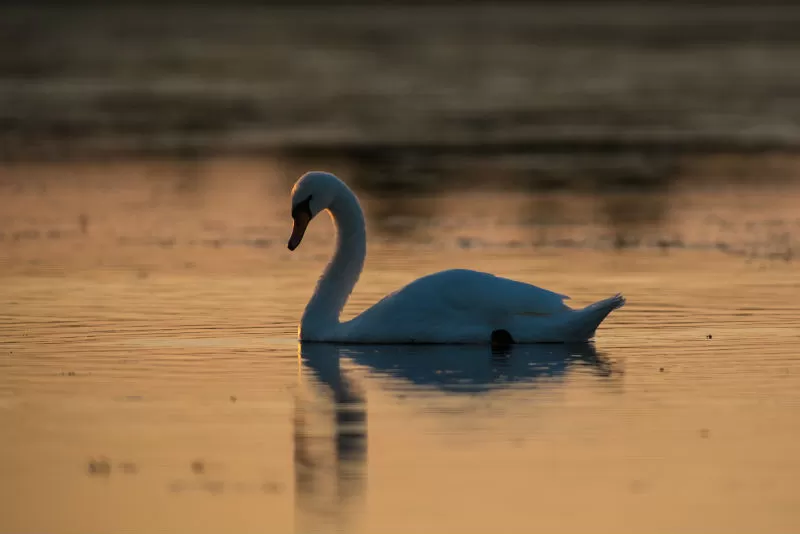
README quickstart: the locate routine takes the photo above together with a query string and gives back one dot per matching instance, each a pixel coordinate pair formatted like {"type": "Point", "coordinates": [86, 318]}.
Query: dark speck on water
{"type": "Point", "coordinates": [83, 223]}
{"type": "Point", "coordinates": [638, 486]}
{"type": "Point", "coordinates": [99, 467]}
{"type": "Point", "coordinates": [129, 468]}
{"type": "Point", "coordinates": [271, 487]}
{"type": "Point", "coordinates": [215, 487]}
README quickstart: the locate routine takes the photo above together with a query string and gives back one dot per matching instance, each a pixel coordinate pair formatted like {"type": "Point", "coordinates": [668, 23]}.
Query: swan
{"type": "Point", "coordinates": [453, 306]}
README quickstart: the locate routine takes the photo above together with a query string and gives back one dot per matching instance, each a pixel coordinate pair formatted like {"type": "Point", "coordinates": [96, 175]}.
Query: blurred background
{"type": "Point", "coordinates": [410, 101]}
{"type": "Point", "coordinates": [403, 82]}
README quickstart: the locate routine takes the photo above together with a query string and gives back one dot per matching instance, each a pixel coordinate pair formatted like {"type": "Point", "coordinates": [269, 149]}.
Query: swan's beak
{"type": "Point", "coordinates": [301, 221]}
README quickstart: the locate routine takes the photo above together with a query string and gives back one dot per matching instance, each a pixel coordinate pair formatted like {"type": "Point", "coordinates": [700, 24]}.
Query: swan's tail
{"type": "Point", "coordinates": [588, 319]}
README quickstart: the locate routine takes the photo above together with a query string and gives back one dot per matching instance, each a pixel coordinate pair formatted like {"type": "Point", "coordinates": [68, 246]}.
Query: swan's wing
{"type": "Point", "coordinates": [465, 289]}
{"type": "Point", "coordinates": [450, 306]}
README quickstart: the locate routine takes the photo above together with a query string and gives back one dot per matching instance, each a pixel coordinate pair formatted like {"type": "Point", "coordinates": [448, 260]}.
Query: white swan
{"type": "Point", "coordinates": [455, 306]}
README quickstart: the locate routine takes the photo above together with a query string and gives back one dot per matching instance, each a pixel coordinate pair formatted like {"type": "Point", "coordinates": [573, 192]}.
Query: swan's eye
{"type": "Point", "coordinates": [304, 208]}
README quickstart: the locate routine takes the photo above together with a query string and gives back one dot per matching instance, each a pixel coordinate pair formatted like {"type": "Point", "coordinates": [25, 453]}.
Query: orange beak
{"type": "Point", "coordinates": [301, 220]}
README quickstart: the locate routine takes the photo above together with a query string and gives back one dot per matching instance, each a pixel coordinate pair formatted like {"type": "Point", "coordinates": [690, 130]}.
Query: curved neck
{"type": "Point", "coordinates": [341, 274]}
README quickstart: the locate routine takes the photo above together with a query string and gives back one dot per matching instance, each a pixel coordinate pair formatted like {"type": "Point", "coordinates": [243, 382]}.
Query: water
{"type": "Point", "coordinates": [151, 378]}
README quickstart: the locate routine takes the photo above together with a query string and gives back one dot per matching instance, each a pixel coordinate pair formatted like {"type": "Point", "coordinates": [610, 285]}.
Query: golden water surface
{"type": "Point", "coordinates": [150, 379]}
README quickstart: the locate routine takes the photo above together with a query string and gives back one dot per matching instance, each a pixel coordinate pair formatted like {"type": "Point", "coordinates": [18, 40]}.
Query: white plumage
{"type": "Point", "coordinates": [454, 306]}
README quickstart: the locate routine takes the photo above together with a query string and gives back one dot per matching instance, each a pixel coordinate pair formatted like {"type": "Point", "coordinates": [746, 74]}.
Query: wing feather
{"type": "Point", "coordinates": [467, 289]}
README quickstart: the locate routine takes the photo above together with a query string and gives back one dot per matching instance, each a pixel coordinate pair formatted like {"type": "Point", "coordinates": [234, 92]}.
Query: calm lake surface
{"type": "Point", "coordinates": [150, 378]}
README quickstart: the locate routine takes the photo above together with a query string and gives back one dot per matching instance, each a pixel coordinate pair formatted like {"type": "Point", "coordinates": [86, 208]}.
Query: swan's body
{"type": "Point", "coordinates": [454, 306]}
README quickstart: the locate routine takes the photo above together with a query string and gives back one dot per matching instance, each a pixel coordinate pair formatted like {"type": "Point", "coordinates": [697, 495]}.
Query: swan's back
{"type": "Point", "coordinates": [457, 305]}
{"type": "Point", "coordinates": [467, 289]}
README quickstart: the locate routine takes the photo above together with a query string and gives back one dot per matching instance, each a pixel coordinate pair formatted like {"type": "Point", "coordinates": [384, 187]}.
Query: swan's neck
{"type": "Point", "coordinates": [340, 276]}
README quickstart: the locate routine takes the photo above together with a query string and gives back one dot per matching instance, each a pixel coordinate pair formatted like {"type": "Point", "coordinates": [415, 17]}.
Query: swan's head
{"type": "Point", "coordinates": [314, 192]}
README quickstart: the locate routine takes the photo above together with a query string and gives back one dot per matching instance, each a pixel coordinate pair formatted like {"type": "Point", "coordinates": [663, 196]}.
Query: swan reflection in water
{"type": "Point", "coordinates": [330, 426]}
